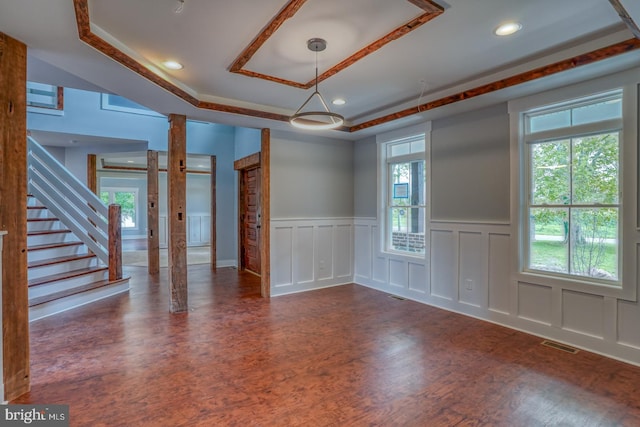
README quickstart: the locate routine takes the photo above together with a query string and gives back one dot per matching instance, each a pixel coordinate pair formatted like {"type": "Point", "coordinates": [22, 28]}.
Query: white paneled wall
{"type": "Point", "coordinates": [310, 254]}
{"type": "Point", "coordinates": [467, 270]}
{"type": "Point", "coordinates": [198, 230]}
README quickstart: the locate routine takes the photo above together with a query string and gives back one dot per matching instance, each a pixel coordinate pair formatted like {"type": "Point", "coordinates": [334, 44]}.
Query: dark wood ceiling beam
{"type": "Point", "coordinates": [625, 17]}
{"type": "Point", "coordinates": [431, 9]}
{"type": "Point", "coordinates": [285, 13]}
{"type": "Point", "coordinates": [527, 76]}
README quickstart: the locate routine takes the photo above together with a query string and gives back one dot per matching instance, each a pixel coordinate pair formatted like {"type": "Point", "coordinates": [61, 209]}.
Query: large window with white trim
{"type": "Point", "coordinates": [405, 196]}
{"type": "Point", "coordinates": [573, 190]}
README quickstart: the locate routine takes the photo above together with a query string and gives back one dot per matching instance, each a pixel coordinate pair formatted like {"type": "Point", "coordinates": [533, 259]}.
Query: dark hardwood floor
{"type": "Point", "coordinates": [344, 356]}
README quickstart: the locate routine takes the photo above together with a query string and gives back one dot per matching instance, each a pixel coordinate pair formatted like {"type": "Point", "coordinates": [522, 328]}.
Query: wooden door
{"type": "Point", "coordinates": [250, 219]}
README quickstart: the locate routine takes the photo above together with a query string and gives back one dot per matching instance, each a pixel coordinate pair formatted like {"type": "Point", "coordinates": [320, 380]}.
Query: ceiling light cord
{"type": "Point", "coordinates": [316, 120]}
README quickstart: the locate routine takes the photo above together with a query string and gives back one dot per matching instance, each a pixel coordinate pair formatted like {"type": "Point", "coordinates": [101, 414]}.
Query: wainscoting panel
{"type": "Point", "coordinates": [363, 255]}
{"type": "Point", "coordinates": [303, 268]}
{"type": "Point", "coordinates": [443, 264]}
{"type": "Point", "coordinates": [629, 323]}
{"type": "Point", "coordinates": [324, 250]}
{"type": "Point", "coordinates": [583, 313]}
{"type": "Point", "coordinates": [310, 254]}
{"type": "Point", "coordinates": [282, 256]}
{"type": "Point", "coordinates": [398, 273]}
{"type": "Point", "coordinates": [534, 303]}
{"type": "Point", "coordinates": [380, 263]}
{"type": "Point", "coordinates": [343, 244]}
{"type": "Point", "coordinates": [418, 278]}
{"type": "Point", "coordinates": [499, 262]}
{"type": "Point", "coordinates": [472, 282]}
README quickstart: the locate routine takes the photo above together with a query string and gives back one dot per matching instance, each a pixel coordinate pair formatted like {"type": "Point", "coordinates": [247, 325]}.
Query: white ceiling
{"type": "Point", "coordinates": [455, 51]}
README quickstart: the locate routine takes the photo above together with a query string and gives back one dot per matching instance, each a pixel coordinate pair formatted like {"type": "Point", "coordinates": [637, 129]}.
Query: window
{"type": "Point", "coordinates": [119, 103]}
{"type": "Point", "coordinates": [405, 201]}
{"type": "Point", "coordinates": [573, 204]}
{"type": "Point", "coordinates": [42, 97]}
{"type": "Point", "coordinates": [128, 201]}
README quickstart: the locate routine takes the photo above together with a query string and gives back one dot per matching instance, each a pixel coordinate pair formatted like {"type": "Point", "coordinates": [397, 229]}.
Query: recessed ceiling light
{"type": "Point", "coordinates": [129, 161]}
{"type": "Point", "coordinates": [173, 65]}
{"type": "Point", "coordinates": [508, 28]}
{"type": "Point", "coordinates": [338, 101]}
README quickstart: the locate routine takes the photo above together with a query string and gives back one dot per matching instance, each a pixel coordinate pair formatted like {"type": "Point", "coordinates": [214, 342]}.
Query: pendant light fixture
{"type": "Point", "coordinates": [316, 120]}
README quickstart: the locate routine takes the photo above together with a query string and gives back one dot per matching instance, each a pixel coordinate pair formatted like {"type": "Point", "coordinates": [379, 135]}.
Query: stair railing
{"type": "Point", "coordinates": [77, 207]}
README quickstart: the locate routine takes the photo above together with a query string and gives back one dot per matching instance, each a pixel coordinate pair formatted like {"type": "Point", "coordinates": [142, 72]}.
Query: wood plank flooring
{"type": "Point", "coordinates": [343, 356]}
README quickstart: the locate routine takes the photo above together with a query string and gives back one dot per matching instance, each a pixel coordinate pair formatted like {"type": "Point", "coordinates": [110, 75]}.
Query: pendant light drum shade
{"type": "Point", "coordinates": [316, 120]}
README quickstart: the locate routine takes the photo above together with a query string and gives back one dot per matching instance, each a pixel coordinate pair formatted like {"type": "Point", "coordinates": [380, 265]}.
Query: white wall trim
{"type": "Point", "coordinates": [310, 253]}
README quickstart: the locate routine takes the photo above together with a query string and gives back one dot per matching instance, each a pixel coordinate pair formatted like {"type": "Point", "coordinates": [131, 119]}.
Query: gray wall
{"type": "Point", "coordinates": [365, 178]}
{"type": "Point", "coordinates": [311, 177]}
{"type": "Point", "coordinates": [470, 166]}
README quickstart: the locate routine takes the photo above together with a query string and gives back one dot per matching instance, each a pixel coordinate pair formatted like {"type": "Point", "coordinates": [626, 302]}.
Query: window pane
{"type": "Point", "coordinates": [548, 248]}
{"type": "Point", "coordinates": [550, 173]}
{"type": "Point", "coordinates": [555, 120]}
{"type": "Point", "coordinates": [104, 196]}
{"type": "Point", "coordinates": [606, 110]}
{"type": "Point", "coordinates": [408, 229]}
{"type": "Point", "coordinates": [417, 146]}
{"type": "Point", "coordinates": [127, 202]}
{"type": "Point", "coordinates": [400, 149]}
{"type": "Point", "coordinates": [42, 95]}
{"type": "Point", "coordinates": [594, 242]}
{"type": "Point", "coordinates": [595, 169]}
{"type": "Point", "coordinates": [407, 183]}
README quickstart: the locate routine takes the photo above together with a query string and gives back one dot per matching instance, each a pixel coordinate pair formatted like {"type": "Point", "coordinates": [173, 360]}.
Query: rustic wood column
{"type": "Point", "coordinates": [13, 215]}
{"type": "Point", "coordinates": [115, 242]}
{"type": "Point", "coordinates": [153, 218]}
{"type": "Point", "coordinates": [92, 173]}
{"type": "Point", "coordinates": [214, 228]}
{"type": "Point", "coordinates": [265, 200]}
{"type": "Point", "coordinates": [177, 186]}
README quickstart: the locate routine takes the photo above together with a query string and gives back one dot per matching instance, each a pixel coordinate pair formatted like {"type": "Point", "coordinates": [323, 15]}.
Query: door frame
{"type": "Point", "coordinates": [262, 159]}
{"type": "Point", "coordinates": [242, 166]}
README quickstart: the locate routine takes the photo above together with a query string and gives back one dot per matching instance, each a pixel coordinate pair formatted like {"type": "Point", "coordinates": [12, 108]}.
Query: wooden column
{"type": "Point", "coordinates": [153, 218]}
{"type": "Point", "coordinates": [92, 173]}
{"type": "Point", "coordinates": [214, 229]}
{"type": "Point", "coordinates": [13, 215]}
{"type": "Point", "coordinates": [265, 200]}
{"type": "Point", "coordinates": [177, 186]}
{"type": "Point", "coordinates": [115, 242]}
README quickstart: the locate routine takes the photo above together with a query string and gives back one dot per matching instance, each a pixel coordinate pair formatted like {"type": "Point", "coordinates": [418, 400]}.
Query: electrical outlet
{"type": "Point", "coordinates": [468, 284]}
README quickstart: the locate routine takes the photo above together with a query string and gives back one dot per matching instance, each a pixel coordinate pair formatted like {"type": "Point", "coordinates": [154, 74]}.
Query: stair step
{"type": "Point", "coordinates": [42, 219]}
{"type": "Point", "coordinates": [53, 246]}
{"type": "Point", "coordinates": [59, 260]}
{"type": "Point", "coordinates": [45, 232]}
{"type": "Point", "coordinates": [63, 294]}
{"type": "Point", "coordinates": [66, 275]}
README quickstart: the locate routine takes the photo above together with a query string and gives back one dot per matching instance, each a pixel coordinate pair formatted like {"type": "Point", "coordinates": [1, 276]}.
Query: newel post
{"type": "Point", "coordinates": [115, 243]}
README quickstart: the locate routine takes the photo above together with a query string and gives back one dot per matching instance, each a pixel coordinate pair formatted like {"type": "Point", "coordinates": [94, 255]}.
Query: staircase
{"type": "Point", "coordinates": [66, 268]}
